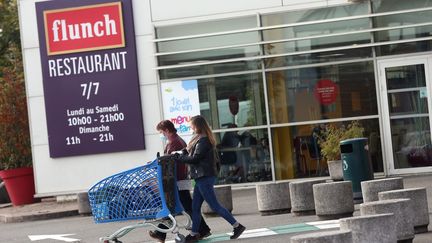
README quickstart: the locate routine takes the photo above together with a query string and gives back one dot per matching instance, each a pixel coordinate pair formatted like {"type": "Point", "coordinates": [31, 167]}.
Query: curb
{"type": "Point", "coordinates": [8, 218]}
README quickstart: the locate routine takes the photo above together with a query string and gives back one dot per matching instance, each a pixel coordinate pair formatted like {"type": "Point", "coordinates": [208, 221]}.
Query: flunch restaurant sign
{"type": "Point", "coordinates": [85, 28]}
{"type": "Point", "coordinates": [90, 77]}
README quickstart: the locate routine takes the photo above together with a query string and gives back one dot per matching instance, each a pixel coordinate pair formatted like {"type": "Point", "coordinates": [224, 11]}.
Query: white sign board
{"type": "Point", "coordinates": [180, 103]}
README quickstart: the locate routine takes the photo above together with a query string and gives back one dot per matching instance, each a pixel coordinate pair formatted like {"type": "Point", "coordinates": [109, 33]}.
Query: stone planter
{"type": "Point", "coordinates": [273, 198]}
{"type": "Point", "coordinates": [333, 200]}
{"type": "Point", "coordinates": [20, 185]}
{"type": "Point", "coordinates": [370, 189]}
{"type": "Point", "coordinates": [302, 199]}
{"type": "Point", "coordinates": [403, 215]}
{"type": "Point", "coordinates": [377, 228]}
{"type": "Point", "coordinates": [418, 203]}
{"type": "Point", "coordinates": [224, 197]}
{"type": "Point", "coordinates": [335, 170]}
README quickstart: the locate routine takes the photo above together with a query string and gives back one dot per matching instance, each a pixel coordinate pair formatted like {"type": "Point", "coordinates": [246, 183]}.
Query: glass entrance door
{"type": "Point", "coordinates": [405, 99]}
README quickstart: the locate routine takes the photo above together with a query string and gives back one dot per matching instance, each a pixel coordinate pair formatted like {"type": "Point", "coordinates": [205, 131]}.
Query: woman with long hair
{"type": "Point", "coordinates": [173, 142]}
{"type": "Point", "coordinates": [201, 157]}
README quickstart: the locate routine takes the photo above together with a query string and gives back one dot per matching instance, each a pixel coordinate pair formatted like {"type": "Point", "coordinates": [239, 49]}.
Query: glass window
{"type": "Point", "coordinates": [207, 27]}
{"type": "Point", "coordinates": [314, 14]}
{"type": "Point", "coordinates": [316, 93]}
{"type": "Point", "coordinates": [291, 47]}
{"type": "Point", "coordinates": [317, 43]}
{"type": "Point", "coordinates": [381, 6]}
{"type": "Point", "coordinates": [316, 29]}
{"type": "Point", "coordinates": [197, 43]}
{"type": "Point", "coordinates": [318, 57]}
{"type": "Point", "coordinates": [193, 71]}
{"type": "Point", "coordinates": [245, 156]}
{"type": "Point", "coordinates": [408, 102]}
{"type": "Point", "coordinates": [208, 42]}
{"type": "Point", "coordinates": [411, 140]}
{"type": "Point", "coordinates": [400, 20]}
{"type": "Point", "coordinates": [410, 133]}
{"type": "Point", "coordinates": [403, 77]}
{"type": "Point", "coordinates": [232, 100]}
{"type": "Point", "coordinates": [297, 153]}
{"type": "Point", "coordinates": [205, 56]}
{"type": "Point", "coordinates": [406, 87]}
{"type": "Point", "coordinates": [403, 48]}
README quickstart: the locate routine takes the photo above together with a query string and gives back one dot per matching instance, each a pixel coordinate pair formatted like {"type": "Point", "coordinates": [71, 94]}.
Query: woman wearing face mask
{"type": "Point", "coordinates": [173, 142]}
{"type": "Point", "coordinates": [200, 156]}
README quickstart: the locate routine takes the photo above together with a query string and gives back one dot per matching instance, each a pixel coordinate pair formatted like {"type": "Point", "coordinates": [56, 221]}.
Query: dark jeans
{"type": "Point", "coordinates": [204, 190]}
{"type": "Point", "coordinates": [186, 200]}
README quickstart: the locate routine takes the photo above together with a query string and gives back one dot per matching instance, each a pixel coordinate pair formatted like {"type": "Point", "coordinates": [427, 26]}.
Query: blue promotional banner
{"type": "Point", "coordinates": [90, 76]}
{"type": "Point", "coordinates": [181, 102]}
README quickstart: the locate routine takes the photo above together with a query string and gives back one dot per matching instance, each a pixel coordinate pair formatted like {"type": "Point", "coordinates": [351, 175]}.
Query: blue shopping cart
{"type": "Point", "coordinates": [147, 192]}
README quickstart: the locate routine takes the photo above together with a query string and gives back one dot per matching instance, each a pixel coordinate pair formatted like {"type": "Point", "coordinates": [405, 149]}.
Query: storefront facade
{"type": "Point", "coordinates": [294, 70]}
{"type": "Point", "coordinates": [270, 77]}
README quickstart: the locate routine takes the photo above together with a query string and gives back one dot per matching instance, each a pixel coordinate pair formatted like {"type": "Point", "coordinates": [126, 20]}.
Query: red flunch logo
{"type": "Point", "coordinates": [88, 28]}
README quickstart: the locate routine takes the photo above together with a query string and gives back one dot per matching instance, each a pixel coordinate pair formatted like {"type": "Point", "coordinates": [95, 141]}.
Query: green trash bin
{"type": "Point", "coordinates": [356, 161]}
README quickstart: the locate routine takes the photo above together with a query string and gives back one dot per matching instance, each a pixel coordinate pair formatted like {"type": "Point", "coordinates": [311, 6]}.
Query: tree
{"type": "Point", "coordinates": [15, 149]}
{"type": "Point", "coordinates": [9, 29]}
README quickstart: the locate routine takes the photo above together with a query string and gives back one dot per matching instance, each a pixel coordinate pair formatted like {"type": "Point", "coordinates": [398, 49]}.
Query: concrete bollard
{"type": "Point", "coordinates": [83, 203]}
{"type": "Point", "coordinates": [377, 228]}
{"type": "Point", "coordinates": [333, 200]}
{"type": "Point", "coordinates": [224, 197]}
{"type": "Point", "coordinates": [418, 203]}
{"type": "Point", "coordinates": [302, 199]}
{"type": "Point", "coordinates": [371, 188]}
{"type": "Point", "coordinates": [273, 198]}
{"type": "Point", "coordinates": [337, 236]}
{"type": "Point", "coordinates": [402, 212]}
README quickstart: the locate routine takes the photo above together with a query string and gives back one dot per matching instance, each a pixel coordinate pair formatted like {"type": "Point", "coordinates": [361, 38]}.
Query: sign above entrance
{"type": "Point", "coordinates": [90, 76]}
{"type": "Point", "coordinates": [326, 91]}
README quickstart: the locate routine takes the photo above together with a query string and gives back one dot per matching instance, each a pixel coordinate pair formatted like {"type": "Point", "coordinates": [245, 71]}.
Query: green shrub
{"type": "Point", "coordinates": [15, 149]}
{"type": "Point", "coordinates": [332, 135]}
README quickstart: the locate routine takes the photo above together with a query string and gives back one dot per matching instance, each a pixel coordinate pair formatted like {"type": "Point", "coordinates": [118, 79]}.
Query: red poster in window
{"type": "Point", "coordinates": [326, 91]}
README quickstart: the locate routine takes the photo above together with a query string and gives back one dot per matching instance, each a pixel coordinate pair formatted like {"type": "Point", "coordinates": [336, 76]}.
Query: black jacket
{"type": "Point", "coordinates": [202, 160]}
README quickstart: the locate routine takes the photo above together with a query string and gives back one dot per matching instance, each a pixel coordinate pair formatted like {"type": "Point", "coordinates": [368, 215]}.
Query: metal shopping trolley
{"type": "Point", "coordinates": [147, 192]}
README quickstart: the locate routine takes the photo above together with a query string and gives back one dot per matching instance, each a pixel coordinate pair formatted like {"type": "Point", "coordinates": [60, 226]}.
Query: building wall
{"type": "Point", "coordinates": [78, 173]}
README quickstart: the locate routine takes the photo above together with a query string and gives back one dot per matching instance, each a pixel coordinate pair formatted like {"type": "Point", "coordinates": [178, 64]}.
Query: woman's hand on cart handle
{"type": "Point", "coordinates": [168, 157]}
{"type": "Point", "coordinates": [185, 152]}
{"type": "Point", "coordinates": [180, 152]}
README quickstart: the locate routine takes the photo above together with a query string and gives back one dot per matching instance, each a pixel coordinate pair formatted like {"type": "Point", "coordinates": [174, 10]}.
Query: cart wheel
{"type": "Point", "coordinates": [180, 238]}
{"type": "Point", "coordinates": [106, 241]}
{"type": "Point", "coordinates": [117, 241]}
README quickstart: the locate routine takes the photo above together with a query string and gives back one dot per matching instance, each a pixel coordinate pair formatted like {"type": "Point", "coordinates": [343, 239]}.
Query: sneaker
{"type": "Point", "coordinates": [192, 238]}
{"type": "Point", "coordinates": [237, 231]}
{"type": "Point", "coordinates": [204, 234]}
{"type": "Point", "coordinates": [157, 236]}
